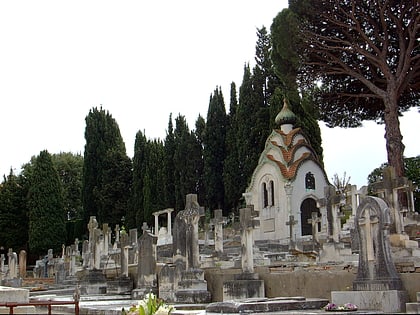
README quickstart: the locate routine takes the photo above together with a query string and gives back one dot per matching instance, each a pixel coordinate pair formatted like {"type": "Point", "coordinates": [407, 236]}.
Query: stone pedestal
{"type": "Point", "coordinates": [93, 282]}
{"type": "Point", "coordinates": [244, 286]}
{"type": "Point", "coordinates": [192, 288]}
{"type": "Point", "coordinates": [121, 285]}
{"type": "Point", "coordinates": [390, 301]}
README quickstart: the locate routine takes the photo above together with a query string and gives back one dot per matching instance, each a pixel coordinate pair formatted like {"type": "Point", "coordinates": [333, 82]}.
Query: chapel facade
{"type": "Point", "coordinates": [287, 184]}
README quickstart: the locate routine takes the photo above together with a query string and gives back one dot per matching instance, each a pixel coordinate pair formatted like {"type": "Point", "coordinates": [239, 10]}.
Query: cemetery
{"type": "Point", "coordinates": [299, 244]}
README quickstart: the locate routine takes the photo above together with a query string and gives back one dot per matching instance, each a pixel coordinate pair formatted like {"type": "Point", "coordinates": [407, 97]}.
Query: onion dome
{"type": "Point", "coordinates": [285, 116]}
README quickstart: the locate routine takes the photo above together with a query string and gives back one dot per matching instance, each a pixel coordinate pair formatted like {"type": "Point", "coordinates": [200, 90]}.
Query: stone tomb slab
{"type": "Point", "coordinates": [264, 305]}
{"type": "Point", "coordinates": [8, 294]}
{"type": "Point", "coordinates": [390, 301]}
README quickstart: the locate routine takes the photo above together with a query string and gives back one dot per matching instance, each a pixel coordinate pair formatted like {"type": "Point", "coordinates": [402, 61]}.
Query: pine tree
{"type": "Point", "coordinates": [214, 150]}
{"type": "Point", "coordinates": [46, 207]}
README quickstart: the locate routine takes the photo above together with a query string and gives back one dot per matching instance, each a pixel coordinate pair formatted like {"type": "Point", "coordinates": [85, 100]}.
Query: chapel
{"type": "Point", "coordinates": [287, 184]}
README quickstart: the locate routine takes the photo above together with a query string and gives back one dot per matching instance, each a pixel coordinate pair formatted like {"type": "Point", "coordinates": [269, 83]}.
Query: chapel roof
{"type": "Point", "coordinates": [285, 116]}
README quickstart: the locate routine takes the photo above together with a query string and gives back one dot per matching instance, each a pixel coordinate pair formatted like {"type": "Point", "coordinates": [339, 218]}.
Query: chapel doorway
{"type": "Point", "coordinates": [306, 208]}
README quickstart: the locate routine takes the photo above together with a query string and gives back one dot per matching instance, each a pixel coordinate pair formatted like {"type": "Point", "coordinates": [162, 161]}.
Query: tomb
{"type": "Point", "coordinates": [378, 286]}
{"type": "Point", "coordinates": [288, 181]}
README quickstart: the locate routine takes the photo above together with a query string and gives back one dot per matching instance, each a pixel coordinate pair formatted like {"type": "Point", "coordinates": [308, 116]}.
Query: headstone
{"type": "Point", "coordinates": [189, 284]}
{"type": "Point", "coordinates": [218, 222]}
{"type": "Point", "coordinates": [247, 284]}
{"type": "Point", "coordinates": [332, 202]}
{"type": "Point", "coordinates": [12, 264]}
{"type": "Point", "coordinates": [378, 286]}
{"type": "Point", "coordinates": [22, 264]}
{"type": "Point", "coordinates": [389, 190]}
{"type": "Point", "coordinates": [315, 220]}
{"type": "Point", "coordinates": [291, 223]}
{"type": "Point", "coordinates": [186, 232]}
{"type": "Point", "coordinates": [146, 268]}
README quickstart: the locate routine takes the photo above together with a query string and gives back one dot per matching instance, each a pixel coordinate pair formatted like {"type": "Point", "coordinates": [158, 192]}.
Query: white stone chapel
{"type": "Point", "coordinates": [287, 184]}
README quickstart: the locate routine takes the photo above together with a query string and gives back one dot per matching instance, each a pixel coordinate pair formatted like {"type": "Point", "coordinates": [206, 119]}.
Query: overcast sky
{"type": "Point", "coordinates": [141, 61]}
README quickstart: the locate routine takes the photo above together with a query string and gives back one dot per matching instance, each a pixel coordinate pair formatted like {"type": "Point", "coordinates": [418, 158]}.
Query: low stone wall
{"type": "Point", "coordinates": [307, 282]}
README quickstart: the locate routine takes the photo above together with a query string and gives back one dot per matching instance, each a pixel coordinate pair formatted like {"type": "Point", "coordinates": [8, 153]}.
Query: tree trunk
{"type": "Point", "coordinates": [393, 137]}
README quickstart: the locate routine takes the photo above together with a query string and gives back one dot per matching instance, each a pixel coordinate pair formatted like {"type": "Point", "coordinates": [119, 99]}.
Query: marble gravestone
{"type": "Point", "coordinates": [378, 286]}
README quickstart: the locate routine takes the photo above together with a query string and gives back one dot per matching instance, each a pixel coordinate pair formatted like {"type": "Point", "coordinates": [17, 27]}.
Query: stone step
{"type": "Point", "coordinates": [412, 308]}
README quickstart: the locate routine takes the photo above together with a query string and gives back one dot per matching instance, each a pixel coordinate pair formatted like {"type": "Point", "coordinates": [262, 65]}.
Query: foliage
{"type": "Point", "coordinates": [106, 169]}
{"type": "Point", "coordinates": [70, 171]}
{"type": "Point", "coordinates": [46, 207]}
{"type": "Point", "coordinates": [13, 213]}
{"type": "Point", "coordinates": [412, 172]}
{"type": "Point", "coordinates": [366, 55]}
{"type": "Point", "coordinates": [214, 150]}
{"type": "Point", "coordinates": [286, 64]}
{"type": "Point", "coordinates": [150, 305]}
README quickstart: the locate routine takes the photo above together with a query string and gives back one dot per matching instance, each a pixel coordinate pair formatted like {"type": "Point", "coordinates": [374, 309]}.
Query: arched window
{"type": "Point", "coordinates": [265, 195]}
{"type": "Point", "coordinates": [310, 181]}
{"type": "Point", "coordinates": [272, 192]}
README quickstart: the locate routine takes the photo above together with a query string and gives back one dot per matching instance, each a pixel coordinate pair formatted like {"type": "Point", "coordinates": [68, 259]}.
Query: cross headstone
{"type": "Point", "coordinates": [145, 228]}
{"type": "Point", "coordinates": [376, 270]}
{"type": "Point", "coordinates": [332, 202]}
{"type": "Point", "coordinates": [389, 190]}
{"type": "Point", "coordinates": [291, 223]}
{"type": "Point", "coordinates": [314, 222]}
{"type": "Point", "coordinates": [247, 224]}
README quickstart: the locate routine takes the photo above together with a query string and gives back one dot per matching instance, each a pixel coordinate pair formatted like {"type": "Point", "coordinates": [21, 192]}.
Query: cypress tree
{"type": "Point", "coordinates": [286, 63]}
{"type": "Point", "coordinates": [46, 207]}
{"type": "Point", "coordinates": [13, 213]}
{"type": "Point", "coordinates": [103, 141]}
{"type": "Point", "coordinates": [135, 217]}
{"type": "Point", "coordinates": [231, 174]}
{"type": "Point", "coordinates": [198, 135]}
{"type": "Point", "coordinates": [153, 180]}
{"type": "Point", "coordinates": [214, 150]}
{"type": "Point", "coordinates": [169, 147]}
{"type": "Point", "coordinates": [185, 160]}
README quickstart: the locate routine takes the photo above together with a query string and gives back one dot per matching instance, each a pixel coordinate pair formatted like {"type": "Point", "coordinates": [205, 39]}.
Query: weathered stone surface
{"type": "Point", "coordinates": [266, 305]}
{"type": "Point", "coordinates": [17, 295]}
{"type": "Point", "coordinates": [391, 301]}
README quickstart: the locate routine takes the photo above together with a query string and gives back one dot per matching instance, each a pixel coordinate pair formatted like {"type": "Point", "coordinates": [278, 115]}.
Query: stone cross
{"type": "Point", "coordinates": [291, 223]}
{"type": "Point", "coordinates": [218, 222]}
{"type": "Point", "coordinates": [314, 221]}
{"type": "Point", "coordinates": [376, 270]}
{"type": "Point", "coordinates": [389, 190]}
{"type": "Point", "coordinates": [247, 224]}
{"type": "Point", "coordinates": [145, 228]}
{"type": "Point", "coordinates": [332, 202]}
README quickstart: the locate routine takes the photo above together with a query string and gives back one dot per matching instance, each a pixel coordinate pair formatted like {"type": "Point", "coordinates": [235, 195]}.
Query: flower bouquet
{"type": "Point", "coordinates": [150, 305]}
{"type": "Point", "coordinates": [343, 308]}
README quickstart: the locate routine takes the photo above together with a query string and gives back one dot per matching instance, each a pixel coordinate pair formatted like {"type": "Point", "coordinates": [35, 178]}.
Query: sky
{"type": "Point", "coordinates": [141, 61]}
